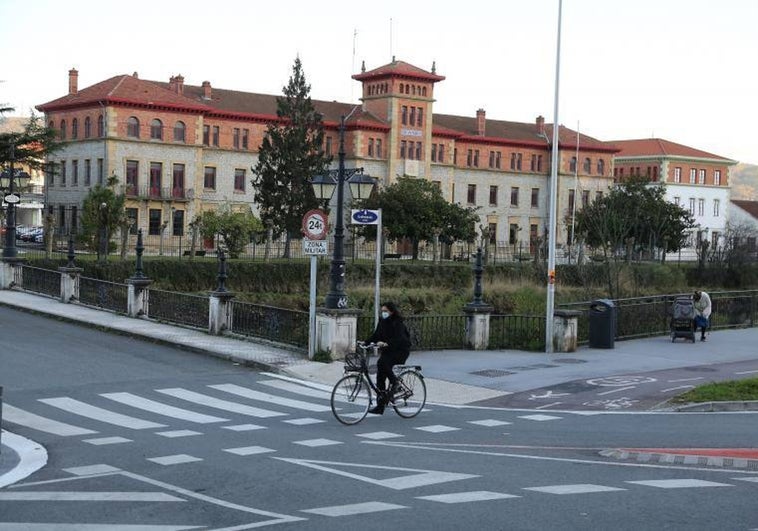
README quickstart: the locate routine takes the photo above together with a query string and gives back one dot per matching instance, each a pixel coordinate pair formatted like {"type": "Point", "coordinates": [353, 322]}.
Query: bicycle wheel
{"type": "Point", "coordinates": [351, 398]}
{"type": "Point", "coordinates": [410, 397]}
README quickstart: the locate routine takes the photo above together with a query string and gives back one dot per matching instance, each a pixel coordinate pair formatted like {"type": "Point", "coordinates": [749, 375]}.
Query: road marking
{"type": "Point", "coordinates": [416, 478]}
{"type": "Point", "coordinates": [548, 394]}
{"type": "Point", "coordinates": [303, 421]}
{"type": "Point", "coordinates": [581, 488]}
{"type": "Point", "coordinates": [31, 456]}
{"type": "Point", "coordinates": [272, 399]}
{"type": "Point", "coordinates": [688, 379]}
{"type": "Point", "coordinates": [107, 440]}
{"type": "Point", "coordinates": [299, 382]}
{"type": "Point", "coordinates": [56, 495]}
{"type": "Point", "coordinates": [177, 433]}
{"type": "Point", "coordinates": [549, 405]}
{"type": "Point", "coordinates": [379, 435]}
{"type": "Point", "coordinates": [540, 418]}
{"type": "Point", "coordinates": [616, 390]}
{"type": "Point", "coordinates": [298, 389]}
{"type": "Point", "coordinates": [746, 372]}
{"type": "Point", "coordinates": [677, 388]}
{"type": "Point", "coordinates": [466, 497]}
{"type": "Point", "coordinates": [490, 423]}
{"type": "Point", "coordinates": [619, 381]}
{"type": "Point", "coordinates": [437, 428]}
{"type": "Point", "coordinates": [30, 420]}
{"type": "Point", "coordinates": [162, 409]}
{"type": "Point", "coordinates": [314, 443]}
{"type": "Point", "coordinates": [26, 526]}
{"type": "Point", "coordinates": [752, 480]}
{"type": "Point", "coordinates": [89, 411]}
{"type": "Point", "coordinates": [249, 450]}
{"type": "Point", "coordinates": [209, 401]}
{"type": "Point", "coordinates": [678, 483]}
{"type": "Point", "coordinates": [178, 459]}
{"type": "Point", "coordinates": [356, 508]}
{"type": "Point", "coordinates": [91, 470]}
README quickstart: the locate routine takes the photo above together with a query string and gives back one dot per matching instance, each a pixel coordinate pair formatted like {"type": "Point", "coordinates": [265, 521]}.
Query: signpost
{"type": "Point", "coordinates": [314, 243]}
{"type": "Point", "coordinates": [12, 198]}
{"type": "Point", "coordinates": [372, 217]}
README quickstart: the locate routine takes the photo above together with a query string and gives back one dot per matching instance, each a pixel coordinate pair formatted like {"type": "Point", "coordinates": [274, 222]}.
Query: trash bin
{"type": "Point", "coordinates": [602, 323]}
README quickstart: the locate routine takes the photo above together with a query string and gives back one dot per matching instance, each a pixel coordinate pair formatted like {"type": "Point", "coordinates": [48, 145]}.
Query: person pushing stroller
{"type": "Point", "coordinates": [702, 303]}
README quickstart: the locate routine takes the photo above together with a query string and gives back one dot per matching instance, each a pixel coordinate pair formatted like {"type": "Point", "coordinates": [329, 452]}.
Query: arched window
{"type": "Point", "coordinates": [572, 165]}
{"type": "Point", "coordinates": [74, 129]}
{"type": "Point", "coordinates": [587, 165]}
{"type": "Point", "coordinates": [601, 166]}
{"type": "Point", "coordinates": [413, 89]}
{"type": "Point", "coordinates": [179, 129]}
{"type": "Point", "coordinates": [407, 88]}
{"type": "Point", "coordinates": [63, 129]}
{"type": "Point", "coordinates": [423, 91]}
{"type": "Point", "coordinates": [386, 88]}
{"type": "Point", "coordinates": [87, 127]}
{"type": "Point", "coordinates": [132, 127]}
{"type": "Point", "coordinates": [401, 88]}
{"type": "Point", "coordinates": [51, 125]}
{"type": "Point", "coordinates": [100, 126]}
{"type": "Point", "coordinates": [156, 130]}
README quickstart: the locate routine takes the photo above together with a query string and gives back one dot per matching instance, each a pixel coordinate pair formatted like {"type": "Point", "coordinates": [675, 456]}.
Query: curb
{"type": "Point", "coordinates": [32, 457]}
{"type": "Point", "coordinates": [681, 459]}
{"type": "Point", "coordinates": [745, 405]}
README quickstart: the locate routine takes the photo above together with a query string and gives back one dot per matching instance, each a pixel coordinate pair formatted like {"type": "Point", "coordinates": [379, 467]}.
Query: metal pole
{"type": "Point", "coordinates": [553, 199]}
{"type": "Point", "coordinates": [337, 298]}
{"type": "Point", "coordinates": [378, 273]}
{"type": "Point", "coordinates": [10, 250]}
{"type": "Point", "coordinates": [576, 192]}
{"type": "Point", "coordinates": [312, 311]}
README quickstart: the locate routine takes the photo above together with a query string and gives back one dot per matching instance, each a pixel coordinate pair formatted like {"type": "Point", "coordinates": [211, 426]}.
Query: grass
{"type": "Point", "coordinates": [735, 390]}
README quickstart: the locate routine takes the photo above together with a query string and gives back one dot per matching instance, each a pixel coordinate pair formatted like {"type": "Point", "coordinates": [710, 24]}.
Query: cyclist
{"type": "Point", "coordinates": [392, 335]}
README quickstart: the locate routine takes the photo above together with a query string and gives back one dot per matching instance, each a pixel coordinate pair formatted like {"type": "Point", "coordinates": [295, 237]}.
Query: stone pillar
{"type": "Point", "coordinates": [138, 297]}
{"type": "Point", "coordinates": [9, 268]}
{"type": "Point", "coordinates": [70, 283]}
{"type": "Point", "coordinates": [220, 312]}
{"type": "Point", "coordinates": [565, 330]}
{"type": "Point", "coordinates": [336, 331]}
{"type": "Point", "coordinates": [478, 312]}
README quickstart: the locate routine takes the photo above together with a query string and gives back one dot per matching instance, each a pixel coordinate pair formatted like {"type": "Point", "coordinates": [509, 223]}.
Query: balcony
{"type": "Point", "coordinates": [155, 192]}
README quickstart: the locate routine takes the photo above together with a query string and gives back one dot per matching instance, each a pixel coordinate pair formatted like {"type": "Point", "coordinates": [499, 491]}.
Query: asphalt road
{"type": "Point", "coordinates": [156, 438]}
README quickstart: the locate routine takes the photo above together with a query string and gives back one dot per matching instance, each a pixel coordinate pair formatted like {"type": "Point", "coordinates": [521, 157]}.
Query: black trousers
{"type": "Point", "coordinates": [384, 368]}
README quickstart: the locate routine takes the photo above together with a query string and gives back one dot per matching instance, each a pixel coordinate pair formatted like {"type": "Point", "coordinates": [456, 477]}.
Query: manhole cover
{"type": "Point", "coordinates": [532, 367]}
{"type": "Point", "coordinates": [573, 387]}
{"type": "Point", "coordinates": [492, 373]}
{"type": "Point", "coordinates": [569, 360]}
{"type": "Point", "coordinates": [700, 369]}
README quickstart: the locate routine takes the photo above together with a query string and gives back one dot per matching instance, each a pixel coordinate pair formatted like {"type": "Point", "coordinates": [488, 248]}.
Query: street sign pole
{"type": "Point", "coordinates": [314, 243]}
{"type": "Point", "coordinates": [312, 311]}
{"type": "Point", "coordinates": [378, 267]}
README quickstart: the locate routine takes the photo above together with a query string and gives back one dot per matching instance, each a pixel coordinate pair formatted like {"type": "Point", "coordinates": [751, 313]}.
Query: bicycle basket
{"type": "Point", "coordinates": [354, 361]}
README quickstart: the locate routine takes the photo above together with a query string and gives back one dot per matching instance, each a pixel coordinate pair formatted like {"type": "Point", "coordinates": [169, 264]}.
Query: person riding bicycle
{"type": "Point", "coordinates": [393, 336]}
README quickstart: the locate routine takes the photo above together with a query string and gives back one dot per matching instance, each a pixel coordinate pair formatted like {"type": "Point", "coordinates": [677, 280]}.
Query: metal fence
{"type": "Point", "coordinates": [518, 332]}
{"type": "Point", "coordinates": [103, 294]}
{"type": "Point", "coordinates": [38, 280]}
{"type": "Point", "coordinates": [179, 308]}
{"type": "Point", "coordinates": [275, 324]}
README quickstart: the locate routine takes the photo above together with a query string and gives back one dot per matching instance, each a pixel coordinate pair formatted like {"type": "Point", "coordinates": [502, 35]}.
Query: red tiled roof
{"type": "Point", "coordinates": [658, 147]}
{"type": "Point", "coordinates": [751, 207]}
{"type": "Point", "coordinates": [398, 68]}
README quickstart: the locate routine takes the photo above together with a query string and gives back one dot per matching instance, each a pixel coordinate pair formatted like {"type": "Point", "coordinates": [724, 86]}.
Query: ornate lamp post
{"type": "Point", "coordinates": [8, 180]}
{"type": "Point", "coordinates": [323, 187]}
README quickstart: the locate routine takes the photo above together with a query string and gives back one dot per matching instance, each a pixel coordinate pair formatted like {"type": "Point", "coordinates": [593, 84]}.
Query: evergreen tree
{"type": "Point", "coordinates": [290, 154]}
{"type": "Point", "coordinates": [31, 145]}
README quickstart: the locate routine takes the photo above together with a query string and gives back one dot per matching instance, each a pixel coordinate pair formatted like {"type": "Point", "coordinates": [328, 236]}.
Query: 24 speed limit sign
{"type": "Point", "coordinates": [315, 225]}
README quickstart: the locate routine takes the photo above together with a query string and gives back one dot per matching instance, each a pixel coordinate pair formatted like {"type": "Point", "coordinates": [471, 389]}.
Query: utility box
{"type": "Point", "coordinates": [602, 323]}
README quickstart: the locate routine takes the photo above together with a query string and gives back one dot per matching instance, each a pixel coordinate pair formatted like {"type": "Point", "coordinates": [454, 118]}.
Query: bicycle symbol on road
{"type": "Point", "coordinates": [620, 381]}
{"type": "Point", "coordinates": [613, 403]}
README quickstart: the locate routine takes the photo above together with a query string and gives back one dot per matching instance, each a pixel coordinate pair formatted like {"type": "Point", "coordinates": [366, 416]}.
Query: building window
{"type": "Point", "coordinates": [693, 173]}
{"type": "Point", "coordinates": [63, 173]}
{"type": "Point", "coordinates": [412, 120]}
{"type": "Point", "coordinates": [132, 127]}
{"type": "Point", "coordinates": [476, 158]}
{"type": "Point", "coordinates": [371, 148]}
{"type": "Point", "coordinates": [178, 223]}
{"type": "Point", "coordinates": [87, 127]}
{"type": "Point", "coordinates": [419, 117]}
{"type": "Point", "coordinates": [87, 173]}
{"type": "Point", "coordinates": [63, 130]}
{"type": "Point", "coordinates": [418, 151]}
{"type": "Point", "coordinates": [513, 234]}
{"type": "Point", "coordinates": [100, 171]}
{"type": "Point", "coordinates": [74, 129]}
{"type": "Point", "coordinates": [692, 206]}
{"type": "Point", "coordinates": [441, 153]}
{"type": "Point", "coordinates": [493, 195]}
{"type": "Point", "coordinates": [600, 167]}
{"type": "Point", "coordinates": [655, 173]}
{"type": "Point", "coordinates": [492, 230]}
{"type": "Point", "coordinates": [598, 195]}
{"type": "Point", "coordinates": [404, 115]}
{"type": "Point", "coordinates": [132, 176]}
{"type": "Point", "coordinates": [378, 148]}
{"type": "Point", "coordinates": [701, 177]}
{"type": "Point", "coordinates": [677, 200]}
{"type": "Point", "coordinates": [62, 217]}
{"type": "Point", "coordinates": [132, 216]}
{"type": "Point", "coordinates": [513, 161]}
{"type": "Point", "coordinates": [539, 163]}
{"type": "Point", "coordinates": [572, 164]}
{"type": "Point", "coordinates": [434, 152]}
{"type": "Point", "coordinates": [154, 228]}
{"type": "Point", "coordinates": [470, 157]}
{"type": "Point", "coordinates": [239, 180]}
{"type": "Point", "coordinates": [701, 207]}
{"type": "Point", "coordinates": [498, 158]}
{"type": "Point", "coordinates": [178, 178]}
{"type": "Point", "coordinates": [585, 198]}
{"type": "Point", "coordinates": [215, 135]}
{"type": "Point", "coordinates": [74, 172]}
{"type": "Point", "coordinates": [156, 175]}
{"type": "Point", "coordinates": [206, 135]}
{"type": "Point", "coordinates": [74, 219]}
{"type": "Point", "coordinates": [533, 163]}
{"type": "Point", "coordinates": [236, 138]}
{"type": "Point", "coordinates": [438, 185]}
{"type": "Point", "coordinates": [677, 175]}
{"type": "Point", "coordinates": [716, 208]}
{"type": "Point", "coordinates": [245, 136]}
{"type": "Point", "coordinates": [587, 165]}
{"type": "Point", "coordinates": [535, 197]}
{"type": "Point", "coordinates": [514, 196]}
{"type": "Point", "coordinates": [209, 178]}
{"type": "Point", "coordinates": [156, 130]}
{"type": "Point", "coordinates": [100, 126]}
{"type": "Point", "coordinates": [403, 147]}
{"type": "Point", "coordinates": [455, 155]}
{"type": "Point", "coordinates": [180, 132]}
{"type": "Point", "coordinates": [717, 177]}
{"type": "Point", "coordinates": [519, 160]}
{"type": "Point", "coordinates": [571, 201]}
{"type": "Point", "coordinates": [492, 159]}
{"type": "Point", "coordinates": [328, 149]}
{"type": "Point", "coordinates": [471, 196]}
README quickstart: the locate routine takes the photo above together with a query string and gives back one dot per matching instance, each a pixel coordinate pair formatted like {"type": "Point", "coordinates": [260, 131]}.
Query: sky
{"type": "Point", "coordinates": [683, 70]}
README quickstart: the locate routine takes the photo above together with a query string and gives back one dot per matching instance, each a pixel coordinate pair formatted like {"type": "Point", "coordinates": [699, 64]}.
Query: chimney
{"type": "Point", "coordinates": [480, 122]}
{"type": "Point", "coordinates": [73, 81]}
{"type": "Point", "coordinates": [206, 90]}
{"type": "Point", "coordinates": [540, 125]}
{"type": "Point", "coordinates": [176, 84]}
{"type": "Point", "coordinates": [172, 84]}
{"type": "Point", "coordinates": [135, 75]}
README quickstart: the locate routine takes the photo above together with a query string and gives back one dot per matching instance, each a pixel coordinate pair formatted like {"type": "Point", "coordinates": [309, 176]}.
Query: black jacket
{"type": "Point", "coordinates": [393, 332]}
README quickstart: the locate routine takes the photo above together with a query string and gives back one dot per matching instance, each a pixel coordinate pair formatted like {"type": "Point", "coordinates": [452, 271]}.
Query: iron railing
{"type": "Point", "coordinates": [38, 280]}
{"type": "Point", "coordinates": [517, 332]}
{"type": "Point", "coordinates": [435, 332]}
{"type": "Point", "coordinates": [268, 322]}
{"type": "Point", "coordinates": [157, 192]}
{"type": "Point", "coordinates": [103, 294]}
{"type": "Point", "coordinates": [179, 308]}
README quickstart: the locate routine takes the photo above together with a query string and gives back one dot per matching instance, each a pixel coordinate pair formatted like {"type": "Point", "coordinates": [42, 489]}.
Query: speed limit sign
{"type": "Point", "coordinates": [314, 225]}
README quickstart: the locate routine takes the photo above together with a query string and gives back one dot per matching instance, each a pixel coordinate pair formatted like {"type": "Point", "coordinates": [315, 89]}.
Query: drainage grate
{"type": "Point", "coordinates": [700, 369]}
{"type": "Point", "coordinates": [569, 360]}
{"type": "Point", "coordinates": [492, 373]}
{"type": "Point", "coordinates": [532, 367]}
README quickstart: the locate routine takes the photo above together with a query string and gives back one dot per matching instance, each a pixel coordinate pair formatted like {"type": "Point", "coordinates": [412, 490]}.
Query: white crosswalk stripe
{"type": "Point", "coordinates": [28, 526]}
{"type": "Point", "coordinates": [217, 403]}
{"type": "Point", "coordinates": [353, 509]}
{"type": "Point", "coordinates": [89, 496]}
{"type": "Point", "coordinates": [679, 483]}
{"type": "Point", "coordinates": [297, 389]}
{"type": "Point", "coordinates": [15, 415]}
{"type": "Point", "coordinates": [97, 413]}
{"type": "Point", "coordinates": [162, 409]}
{"type": "Point", "coordinates": [269, 398]}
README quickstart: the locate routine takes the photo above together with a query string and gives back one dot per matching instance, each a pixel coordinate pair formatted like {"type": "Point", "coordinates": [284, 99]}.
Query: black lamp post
{"type": "Point", "coordinates": [7, 184]}
{"type": "Point", "coordinates": [323, 187]}
{"type": "Point", "coordinates": [103, 233]}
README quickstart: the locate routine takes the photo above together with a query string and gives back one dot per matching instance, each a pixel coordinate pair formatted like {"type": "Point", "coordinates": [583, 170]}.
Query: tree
{"type": "Point", "coordinates": [415, 209]}
{"type": "Point", "coordinates": [31, 145]}
{"type": "Point", "coordinates": [236, 228]}
{"type": "Point", "coordinates": [290, 154]}
{"type": "Point", "coordinates": [102, 208]}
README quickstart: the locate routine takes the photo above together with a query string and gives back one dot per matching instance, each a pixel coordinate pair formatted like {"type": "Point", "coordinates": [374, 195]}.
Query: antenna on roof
{"type": "Point", "coordinates": [393, 57]}
{"type": "Point", "coordinates": [352, 65]}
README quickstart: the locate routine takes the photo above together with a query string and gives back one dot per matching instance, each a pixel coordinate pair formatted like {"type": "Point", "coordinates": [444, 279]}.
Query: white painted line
{"type": "Point", "coordinates": [678, 483]}
{"type": "Point", "coordinates": [490, 423]}
{"type": "Point", "coordinates": [244, 427]}
{"type": "Point", "coordinates": [437, 428]}
{"type": "Point", "coordinates": [688, 379]}
{"type": "Point", "coordinates": [89, 411]}
{"type": "Point", "coordinates": [303, 421]}
{"type": "Point", "coordinates": [57, 495]}
{"type": "Point", "coordinates": [746, 372]}
{"type": "Point", "coordinates": [314, 443]}
{"type": "Point", "coordinates": [752, 480]}
{"type": "Point", "coordinates": [249, 450]}
{"type": "Point", "coordinates": [209, 401]}
{"type": "Point", "coordinates": [379, 435]}
{"type": "Point", "coordinates": [299, 382]}
{"type": "Point", "coordinates": [26, 526]}
{"type": "Point", "coordinates": [162, 409]}
{"type": "Point", "coordinates": [177, 433]}
{"type": "Point", "coordinates": [30, 420]}
{"type": "Point", "coordinates": [292, 387]}
{"type": "Point", "coordinates": [540, 418]}
{"type": "Point", "coordinates": [356, 508]}
{"type": "Point", "coordinates": [91, 470]}
{"type": "Point", "coordinates": [582, 488]}
{"type": "Point", "coordinates": [549, 405]}
{"type": "Point", "coordinates": [107, 440]}
{"type": "Point", "coordinates": [268, 398]}
{"type": "Point", "coordinates": [466, 497]}
{"type": "Point", "coordinates": [677, 388]}
{"type": "Point", "coordinates": [616, 390]}
{"type": "Point", "coordinates": [178, 459]}
{"type": "Point", "coordinates": [32, 457]}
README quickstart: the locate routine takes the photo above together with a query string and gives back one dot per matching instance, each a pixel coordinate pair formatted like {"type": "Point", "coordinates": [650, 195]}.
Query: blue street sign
{"type": "Point", "coordinates": [365, 217]}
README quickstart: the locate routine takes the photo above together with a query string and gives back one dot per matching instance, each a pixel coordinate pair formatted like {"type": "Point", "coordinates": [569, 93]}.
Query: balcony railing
{"type": "Point", "coordinates": [156, 192]}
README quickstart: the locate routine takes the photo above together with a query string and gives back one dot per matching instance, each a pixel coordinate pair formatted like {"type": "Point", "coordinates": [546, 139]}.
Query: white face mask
{"type": "Point", "coordinates": [385, 315]}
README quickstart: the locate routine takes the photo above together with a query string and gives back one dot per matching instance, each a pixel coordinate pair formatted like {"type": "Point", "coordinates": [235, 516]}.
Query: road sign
{"type": "Point", "coordinates": [365, 217]}
{"type": "Point", "coordinates": [12, 198]}
{"type": "Point", "coordinates": [313, 247]}
{"type": "Point", "coordinates": [314, 225]}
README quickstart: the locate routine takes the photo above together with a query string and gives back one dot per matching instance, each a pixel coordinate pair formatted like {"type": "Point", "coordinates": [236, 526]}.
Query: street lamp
{"type": "Point", "coordinates": [103, 237]}
{"type": "Point", "coordinates": [8, 180]}
{"type": "Point", "coordinates": [323, 187]}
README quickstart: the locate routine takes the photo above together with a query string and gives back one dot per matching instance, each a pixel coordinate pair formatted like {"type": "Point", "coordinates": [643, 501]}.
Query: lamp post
{"type": "Point", "coordinates": [103, 234]}
{"type": "Point", "coordinates": [323, 187]}
{"type": "Point", "coordinates": [7, 184]}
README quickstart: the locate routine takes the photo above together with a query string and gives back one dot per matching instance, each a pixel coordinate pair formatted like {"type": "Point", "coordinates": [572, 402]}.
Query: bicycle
{"type": "Point", "coordinates": [352, 394]}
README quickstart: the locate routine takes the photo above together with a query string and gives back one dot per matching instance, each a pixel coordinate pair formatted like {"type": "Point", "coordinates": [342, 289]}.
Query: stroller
{"type": "Point", "coordinates": [683, 318]}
